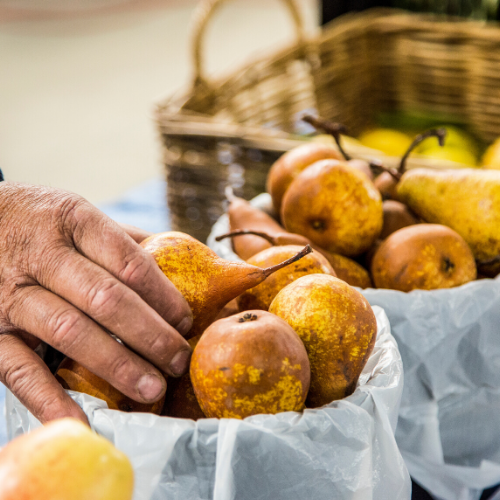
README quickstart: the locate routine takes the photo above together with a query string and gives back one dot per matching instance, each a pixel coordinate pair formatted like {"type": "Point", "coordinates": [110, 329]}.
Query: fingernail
{"type": "Point", "coordinates": [185, 325]}
{"type": "Point", "coordinates": [150, 387]}
{"type": "Point", "coordinates": [180, 363]}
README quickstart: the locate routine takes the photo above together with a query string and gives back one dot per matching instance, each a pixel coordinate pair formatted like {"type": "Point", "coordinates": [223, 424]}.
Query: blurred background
{"type": "Point", "coordinates": [80, 79]}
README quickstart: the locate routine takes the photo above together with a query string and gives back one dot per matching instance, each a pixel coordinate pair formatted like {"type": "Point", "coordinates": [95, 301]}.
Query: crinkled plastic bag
{"type": "Point", "coordinates": [343, 451]}
{"type": "Point", "coordinates": [449, 421]}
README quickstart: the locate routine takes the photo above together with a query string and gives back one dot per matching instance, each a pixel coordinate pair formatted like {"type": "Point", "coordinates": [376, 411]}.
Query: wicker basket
{"type": "Point", "coordinates": [231, 131]}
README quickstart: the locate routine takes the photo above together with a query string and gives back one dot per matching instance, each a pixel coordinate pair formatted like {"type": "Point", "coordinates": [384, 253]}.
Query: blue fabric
{"type": "Point", "coordinates": [145, 207]}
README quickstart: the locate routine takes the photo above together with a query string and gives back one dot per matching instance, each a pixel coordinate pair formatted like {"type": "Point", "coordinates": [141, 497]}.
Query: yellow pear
{"type": "Point", "coordinates": [64, 460]}
{"type": "Point", "coordinates": [467, 200]}
{"type": "Point", "coordinates": [206, 281]}
{"type": "Point", "coordinates": [338, 328]}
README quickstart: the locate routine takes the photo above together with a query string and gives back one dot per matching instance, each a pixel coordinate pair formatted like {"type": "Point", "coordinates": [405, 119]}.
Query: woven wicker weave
{"type": "Point", "coordinates": [230, 131]}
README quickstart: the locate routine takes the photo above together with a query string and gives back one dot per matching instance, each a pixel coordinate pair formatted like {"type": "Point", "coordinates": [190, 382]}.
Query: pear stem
{"type": "Point", "coordinates": [270, 270]}
{"type": "Point", "coordinates": [377, 165]}
{"type": "Point", "coordinates": [440, 133]}
{"type": "Point", "coordinates": [243, 232]}
{"type": "Point", "coordinates": [334, 129]}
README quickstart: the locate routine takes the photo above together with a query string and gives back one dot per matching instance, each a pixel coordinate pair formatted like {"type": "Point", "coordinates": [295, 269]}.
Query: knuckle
{"type": "Point", "coordinates": [17, 374]}
{"type": "Point", "coordinates": [161, 346]}
{"type": "Point", "coordinates": [104, 299]}
{"type": "Point", "coordinates": [135, 268]}
{"type": "Point", "coordinates": [65, 328]}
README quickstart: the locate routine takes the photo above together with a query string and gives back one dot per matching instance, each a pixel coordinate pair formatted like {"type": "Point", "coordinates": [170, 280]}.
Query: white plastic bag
{"type": "Point", "coordinates": [449, 421]}
{"type": "Point", "coordinates": [345, 451]}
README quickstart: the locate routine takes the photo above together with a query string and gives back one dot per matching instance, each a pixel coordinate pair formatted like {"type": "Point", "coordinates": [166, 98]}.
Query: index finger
{"type": "Point", "coordinates": [102, 241]}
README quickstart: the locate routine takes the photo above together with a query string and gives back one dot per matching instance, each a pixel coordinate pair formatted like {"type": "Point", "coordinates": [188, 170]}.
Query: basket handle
{"type": "Point", "coordinates": [202, 15]}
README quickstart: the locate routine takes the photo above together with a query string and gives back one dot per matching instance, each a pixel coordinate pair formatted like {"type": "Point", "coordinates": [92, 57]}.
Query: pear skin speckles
{"type": "Point", "coordinates": [205, 280]}
{"type": "Point", "coordinates": [246, 368]}
{"type": "Point", "coordinates": [338, 328]}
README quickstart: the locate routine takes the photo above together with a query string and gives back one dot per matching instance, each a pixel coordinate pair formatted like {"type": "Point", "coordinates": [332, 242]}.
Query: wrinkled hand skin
{"type": "Point", "coordinates": [69, 276]}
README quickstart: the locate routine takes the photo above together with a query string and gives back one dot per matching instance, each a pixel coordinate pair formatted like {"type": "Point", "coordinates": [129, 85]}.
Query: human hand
{"type": "Point", "coordinates": [69, 275]}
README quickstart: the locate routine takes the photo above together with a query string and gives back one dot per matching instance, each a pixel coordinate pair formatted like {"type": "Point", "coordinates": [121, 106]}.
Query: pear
{"type": "Point", "coordinates": [491, 157]}
{"type": "Point", "coordinates": [338, 328]}
{"type": "Point", "coordinates": [250, 363]}
{"type": "Point", "coordinates": [74, 377]}
{"type": "Point", "coordinates": [261, 296]}
{"type": "Point", "coordinates": [387, 181]}
{"type": "Point", "coordinates": [205, 280]}
{"type": "Point", "coordinates": [180, 399]}
{"type": "Point", "coordinates": [64, 460]}
{"type": "Point", "coordinates": [243, 216]}
{"type": "Point", "coordinates": [425, 256]}
{"type": "Point", "coordinates": [389, 141]}
{"type": "Point", "coordinates": [396, 216]}
{"type": "Point", "coordinates": [335, 206]}
{"type": "Point", "coordinates": [289, 165]}
{"type": "Point", "coordinates": [346, 269]}
{"type": "Point", "coordinates": [467, 200]}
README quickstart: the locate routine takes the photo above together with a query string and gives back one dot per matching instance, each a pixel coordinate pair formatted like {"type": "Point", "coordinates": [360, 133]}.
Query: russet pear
{"type": "Point", "coordinates": [466, 200]}
{"type": "Point", "coordinates": [346, 269]}
{"type": "Point", "coordinates": [424, 256]}
{"type": "Point", "coordinates": [64, 460]}
{"type": "Point", "coordinates": [289, 165]}
{"type": "Point", "coordinates": [335, 206]}
{"type": "Point", "coordinates": [206, 281]}
{"type": "Point", "coordinates": [73, 376]}
{"type": "Point", "coordinates": [396, 216]}
{"type": "Point", "coordinates": [250, 363]}
{"type": "Point", "coordinates": [243, 216]}
{"type": "Point", "coordinates": [338, 328]}
{"type": "Point", "coordinates": [261, 296]}
{"type": "Point", "coordinates": [180, 399]}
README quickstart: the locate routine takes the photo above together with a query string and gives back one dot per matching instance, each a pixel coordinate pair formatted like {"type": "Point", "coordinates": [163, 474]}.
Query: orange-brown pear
{"type": "Point", "coordinates": [338, 328]}
{"type": "Point", "coordinates": [424, 256]}
{"type": "Point", "coordinates": [180, 399]}
{"type": "Point", "coordinates": [250, 363]}
{"type": "Point", "coordinates": [346, 269]}
{"type": "Point", "coordinates": [205, 280]}
{"type": "Point", "coordinates": [261, 296]}
{"type": "Point", "coordinates": [242, 215]}
{"type": "Point", "coordinates": [337, 207]}
{"type": "Point", "coordinates": [396, 216]}
{"type": "Point", "coordinates": [288, 166]}
{"type": "Point", "coordinates": [75, 377]}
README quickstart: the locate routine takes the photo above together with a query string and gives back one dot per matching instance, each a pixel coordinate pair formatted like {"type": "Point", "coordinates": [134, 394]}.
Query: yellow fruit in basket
{"type": "Point", "coordinates": [205, 280]}
{"type": "Point", "coordinates": [338, 328]}
{"type": "Point", "coordinates": [425, 257]}
{"type": "Point", "coordinates": [467, 200]}
{"type": "Point", "coordinates": [288, 166]}
{"type": "Point", "coordinates": [250, 363]}
{"type": "Point", "coordinates": [389, 141]}
{"type": "Point", "coordinates": [491, 158]}
{"type": "Point", "coordinates": [451, 154]}
{"type": "Point", "coordinates": [261, 296]}
{"type": "Point", "coordinates": [456, 138]}
{"type": "Point", "coordinates": [337, 207]}
{"type": "Point", "coordinates": [64, 460]}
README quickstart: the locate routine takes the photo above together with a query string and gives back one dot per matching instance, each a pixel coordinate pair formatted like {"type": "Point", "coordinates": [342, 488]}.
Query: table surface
{"type": "Point", "coordinates": [145, 207]}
